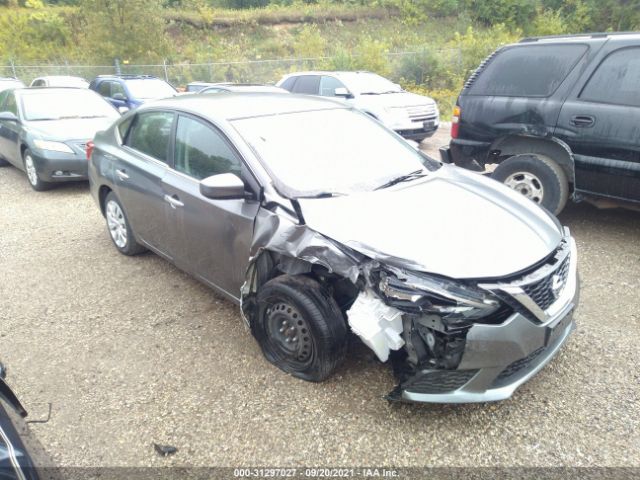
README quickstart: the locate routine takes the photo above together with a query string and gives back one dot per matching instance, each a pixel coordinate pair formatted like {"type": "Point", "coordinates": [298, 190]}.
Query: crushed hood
{"type": "Point", "coordinates": [453, 223]}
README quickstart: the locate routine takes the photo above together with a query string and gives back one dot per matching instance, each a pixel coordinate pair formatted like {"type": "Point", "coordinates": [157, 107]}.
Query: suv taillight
{"type": "Point", "coordinates": [89, 149]}
{"type": "Point", "coordinates": [455, 122]}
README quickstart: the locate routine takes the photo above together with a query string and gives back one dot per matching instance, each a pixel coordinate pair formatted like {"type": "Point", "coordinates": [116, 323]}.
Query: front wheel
{"type": "Point", "coordinates": [32, 173]}
{"type": "Point", "coordinates": [537, 177]}
{"type": "Point", "coordinates": [300, 327]}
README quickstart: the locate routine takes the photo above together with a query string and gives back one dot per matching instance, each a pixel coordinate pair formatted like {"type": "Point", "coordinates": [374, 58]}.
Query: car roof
{"type": "Point", "coordinates": [245, 105]}
{"type": "Point", "coordinates": [127, 77]}
{"type": "Point", "coordinates": [336, 73]}
{"type": "Point", "coordinates": [248, 87]}
{"type": "Point", "coordinates": [33, 90]}
{"type": "Point", "coordinates": [582, 37]}
{"type": "Point", "coordinates": [60, 76]}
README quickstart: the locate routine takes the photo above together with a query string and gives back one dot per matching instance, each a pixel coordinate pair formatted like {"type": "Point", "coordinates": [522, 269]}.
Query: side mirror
{"type": "Point", "coordinates": [9, 117]}
{"type": "Point", "coordinates": [119, 96]}
{"type": "Point", "coordinates": [123, 110]}
{"type": "Point", "coordinates": [223, 186]}
{"type": "Point", "coordinates": [342, 92]}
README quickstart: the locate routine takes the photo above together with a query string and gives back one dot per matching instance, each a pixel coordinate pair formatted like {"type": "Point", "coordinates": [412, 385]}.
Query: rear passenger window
{"type": "Point", "coordinates": [123, 127]}
{"type": "Point", "coordinates": [289, 83]}
{"type": "Point", "coordinates": [307, 85]}
{"type": "Point", "coordinates": [201, 151]}
{"type": "Point", "coordinates": [150, 134]}
{"type": "Point", "coordinates": [104, 89]}
{"type": "Point", "coordinates": [527, 71]}
{"type": "Point", "coordinates": [617, 79]}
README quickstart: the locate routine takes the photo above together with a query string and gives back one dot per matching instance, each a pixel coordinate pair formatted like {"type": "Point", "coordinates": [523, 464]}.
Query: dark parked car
{"type": "Point", "coordinates": [44, 131]}
{"type": "Point", "coordinates": [126, 92]}
{"type": "Point", "coordinates": [559, 115]}
{"type": "Point", "coordinates": [21, 456]}
{"type": "Point", "coordinates": [264, 197]}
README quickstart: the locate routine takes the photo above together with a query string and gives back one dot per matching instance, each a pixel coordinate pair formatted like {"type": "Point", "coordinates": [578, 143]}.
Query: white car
{"type": "Point", "coordinates": [60, 81]}
{"type": "Point", "coordinates": [413, 116]}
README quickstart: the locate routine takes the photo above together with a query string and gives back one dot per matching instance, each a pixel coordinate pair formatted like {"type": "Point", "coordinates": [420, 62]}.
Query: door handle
{"type": "Point", "coordinates": [173, 201]}
{"type": "Point", "coordinates": [122, 175]}
{"type": "Point", "coordinates": [583, 120]}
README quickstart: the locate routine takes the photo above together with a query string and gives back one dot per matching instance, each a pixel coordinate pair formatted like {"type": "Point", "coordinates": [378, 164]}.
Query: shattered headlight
{"type": "Point", "coordinates": [433, 295]}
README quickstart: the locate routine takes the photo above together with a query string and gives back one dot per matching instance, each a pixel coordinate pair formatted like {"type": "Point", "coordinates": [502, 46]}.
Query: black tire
{"type": "Point", "coordinates": [130, 246]}
{"type": "Point", "coordinates": [4, 163]}
{"type": "Point", "coordinates": [312, 321]}
{"type": "Point", "coordinates": [34, 178]}
{"type": "Point", "coordinates": [542, 171]}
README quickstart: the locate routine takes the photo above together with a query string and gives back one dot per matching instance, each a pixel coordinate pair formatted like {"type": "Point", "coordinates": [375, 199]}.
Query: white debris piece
{"type": "Point", "coordinates": [378, 325]}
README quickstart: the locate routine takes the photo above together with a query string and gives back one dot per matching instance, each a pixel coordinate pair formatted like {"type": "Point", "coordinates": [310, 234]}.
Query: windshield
{"type": "Point", "coordinates": [370, 84]}
{"type": "Point", "coordinates": [50, 104]}
{"type": "Point", "coordinates": [151, 88]}
{"type": "Point", "coordinates": [323, 152]}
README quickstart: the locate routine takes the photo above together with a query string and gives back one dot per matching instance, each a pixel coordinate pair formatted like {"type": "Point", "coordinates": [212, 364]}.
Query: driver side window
{"type": "Point", "coordinates": [10, 104]}
{"type": "Point", "coordinates": [202, 151]}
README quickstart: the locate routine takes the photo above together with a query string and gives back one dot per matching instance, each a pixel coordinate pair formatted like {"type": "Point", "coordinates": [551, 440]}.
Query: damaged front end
{"type": "Point", "coordinates": [466, 342]}
{"type": "Point", "coordinates": [449, 341]}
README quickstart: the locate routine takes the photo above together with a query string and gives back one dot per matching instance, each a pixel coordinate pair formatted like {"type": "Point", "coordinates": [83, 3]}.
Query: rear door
{"type": "Point", "coordinates": [600, 121]}
{"type": "Point", "coordinates": [139, 173]}
{"type": "Point", "coordinates": [213, 236]}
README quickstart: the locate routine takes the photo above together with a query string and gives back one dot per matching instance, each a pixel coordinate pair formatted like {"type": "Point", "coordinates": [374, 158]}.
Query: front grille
{"type": "Point", "coordinates": [439, 381]}
{"type": "Point", "coordinates": [546, 291]}
{"type": "Point", "coordinates": [420, 113]}
{"type": "Point", "coordinates": [514, 368]}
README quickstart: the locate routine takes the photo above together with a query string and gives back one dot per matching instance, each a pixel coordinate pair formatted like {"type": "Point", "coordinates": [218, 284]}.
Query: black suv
{"type": "Point", "coordinates": [559, 115]}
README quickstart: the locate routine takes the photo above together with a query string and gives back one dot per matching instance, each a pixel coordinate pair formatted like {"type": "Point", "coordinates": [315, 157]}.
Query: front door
{"type": "Point", "coordinates": [213, 236]}
{"type": "Point", "coordinates": [600, 121]}
{"type": "Point", "coordinates": [138, 177]}
{"type": "Point", "coordinates": [10, 130]}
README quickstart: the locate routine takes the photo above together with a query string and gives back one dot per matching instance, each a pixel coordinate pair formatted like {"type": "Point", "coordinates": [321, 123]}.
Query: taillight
{"type": "Point", "coordinates": [89, 149]}
{"type": "Point", "coordinates": [455, 122]}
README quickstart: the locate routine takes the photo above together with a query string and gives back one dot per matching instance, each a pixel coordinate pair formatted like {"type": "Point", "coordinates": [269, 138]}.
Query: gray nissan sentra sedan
{"type": "Point", "coordinates": [321, 223]}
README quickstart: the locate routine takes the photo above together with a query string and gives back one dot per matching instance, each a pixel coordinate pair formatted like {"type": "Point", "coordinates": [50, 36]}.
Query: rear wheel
{"type": "Point", "coordinates": [32, 173]}
{"type": "Point", "coordinates": [538, 178]}
{"type": "Point", "coordinates": [300, 328]}
{"type": "Point", "coordinates": [119, 227]}
{"type": "Point", "coordinates": [4, 163]}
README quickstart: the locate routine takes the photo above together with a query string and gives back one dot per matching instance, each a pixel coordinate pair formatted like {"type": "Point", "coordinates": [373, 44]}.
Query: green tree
{"type": "Point", "coordinates": [132, 30]}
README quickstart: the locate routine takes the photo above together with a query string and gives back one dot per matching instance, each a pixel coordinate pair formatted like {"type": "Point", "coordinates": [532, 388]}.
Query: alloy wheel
{"type": "Point", "coordinates": [32, 174]}
{"type": "Point", "coordinates": [117, 224]}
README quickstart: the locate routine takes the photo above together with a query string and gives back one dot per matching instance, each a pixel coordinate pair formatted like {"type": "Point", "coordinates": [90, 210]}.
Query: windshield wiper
{"type": "Point", "coordinates": [321, 195]}
{"type": "Point", "coordinates": [403, 178]}
{"type": "Point", "coordinates": [93, 116]}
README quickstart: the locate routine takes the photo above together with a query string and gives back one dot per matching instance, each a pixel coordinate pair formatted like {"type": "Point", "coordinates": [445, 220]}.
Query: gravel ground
{"type": "Point", "coordinates": [131, 351]}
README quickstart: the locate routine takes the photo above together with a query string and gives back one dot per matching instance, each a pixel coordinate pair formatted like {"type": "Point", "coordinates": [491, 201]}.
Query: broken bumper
{"type": "Point", "coordinates": [502, 358]}
{"type": "Point", "coordinates": [497, 359]}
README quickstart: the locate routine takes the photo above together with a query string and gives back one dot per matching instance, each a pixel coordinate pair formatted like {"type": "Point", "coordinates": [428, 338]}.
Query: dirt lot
{"type": "Point", "coordinates": [131, 351]}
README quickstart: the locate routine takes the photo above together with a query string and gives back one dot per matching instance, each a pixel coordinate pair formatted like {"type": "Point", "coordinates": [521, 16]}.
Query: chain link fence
{"type": "Point", "coordinates": [400, 64]}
